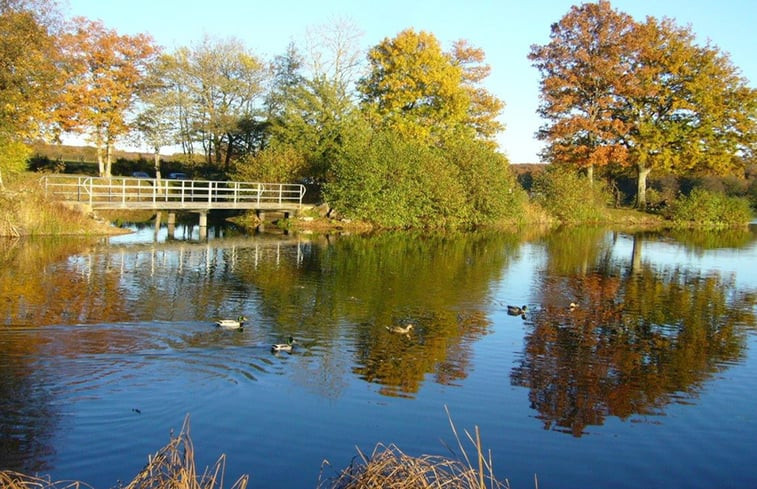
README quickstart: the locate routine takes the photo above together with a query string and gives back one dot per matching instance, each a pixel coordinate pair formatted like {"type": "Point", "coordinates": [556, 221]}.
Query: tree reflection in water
{"type": "Point", "coordinates": [640, 338]}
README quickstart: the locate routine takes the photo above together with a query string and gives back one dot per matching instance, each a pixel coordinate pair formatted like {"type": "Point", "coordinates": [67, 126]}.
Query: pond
{"type": "Point", "coordinates": [107, 345]}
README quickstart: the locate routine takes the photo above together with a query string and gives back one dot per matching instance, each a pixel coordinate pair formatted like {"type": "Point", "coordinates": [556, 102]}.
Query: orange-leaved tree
{"type": "Point", "coordinates": [105, 75]}
{"type": "Point", "coordinates": [582, 68]}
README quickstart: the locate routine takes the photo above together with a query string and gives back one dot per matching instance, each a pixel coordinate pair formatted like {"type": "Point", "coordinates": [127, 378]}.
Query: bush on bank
{"type": "Point", "coordinates": [395, 182]}
{"type": "Point", "coordinates": [709, 208]}
{"type": "Point", "coordinates": [570, 197]}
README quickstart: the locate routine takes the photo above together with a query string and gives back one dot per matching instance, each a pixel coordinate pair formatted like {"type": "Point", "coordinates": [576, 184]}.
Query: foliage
{"type": "Point", "coordinates": [315, 119]}
{"type": "Point", "coordinates": [641, 95]}
{"type": "Point", "coordinates": [212, 86]}
{"type": "Point", "coordinates": [277, 163]}
{"type": "Point", "coordinates": [13, 157]}
{"type": "Point", "coordinates": [581, 66]}
{"type": "Point", "coordinates": [29, 83]}
{"type": "Point", "coordinates": [392, 181]}
{"type": "Point", "coordinates": [567, 196]}
{"type": "Point", "coordinates": [491, 191]}
{"type": "Point", "coordinates": [104, 73]}
{"type": "Point", "coordinates": [714, 209]}
{"type": "Point", "coordinates": [423, 93]}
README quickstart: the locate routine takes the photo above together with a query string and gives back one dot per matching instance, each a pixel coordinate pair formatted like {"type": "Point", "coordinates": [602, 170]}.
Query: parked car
{"type": "Point", "coordinates": [177, 176]}
{"type": "Point", "coordinates": [140, 174]}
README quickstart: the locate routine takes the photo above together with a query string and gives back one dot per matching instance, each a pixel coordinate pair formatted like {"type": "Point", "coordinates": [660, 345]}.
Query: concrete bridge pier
{"type": "Point", "coordinates": [171, 224]}
{"type": "Point", "coordinates": [203, 224]}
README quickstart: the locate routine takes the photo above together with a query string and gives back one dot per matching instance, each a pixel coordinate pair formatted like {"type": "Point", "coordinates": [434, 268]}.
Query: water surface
{"type": "Point", "coordinates": [106, 346]}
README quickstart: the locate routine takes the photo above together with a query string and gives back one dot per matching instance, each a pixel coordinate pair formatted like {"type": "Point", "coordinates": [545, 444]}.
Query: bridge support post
{"type": "Point", "coordinates": [171, 224]}
{"type": "Point", "coordinates": [203, 224]}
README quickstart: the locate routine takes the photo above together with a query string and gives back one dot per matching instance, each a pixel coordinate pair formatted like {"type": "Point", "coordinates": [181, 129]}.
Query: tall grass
{"type": "Point", "coordinates": [25, 210]}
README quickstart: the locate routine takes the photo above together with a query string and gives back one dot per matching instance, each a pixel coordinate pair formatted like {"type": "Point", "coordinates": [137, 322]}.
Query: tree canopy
{"type": "Point", "coordinates": [641, 95]}
{"type": "Point", "coordinates": [424, 93]}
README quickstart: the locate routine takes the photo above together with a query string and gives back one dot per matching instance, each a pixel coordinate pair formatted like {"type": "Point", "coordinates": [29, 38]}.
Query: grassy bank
{"type": "Point", "coordinates": [26, 211]}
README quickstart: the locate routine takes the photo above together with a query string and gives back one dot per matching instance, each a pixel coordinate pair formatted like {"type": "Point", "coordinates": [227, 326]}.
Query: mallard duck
{"type": "Point", "coordinates": [284, 346]}
{"type": "Point", "coordinates": [237, 323]}
{"type": "Point", "coordinates": [400, 329]}
{"type": "Point", "coordinates": [517, 311]}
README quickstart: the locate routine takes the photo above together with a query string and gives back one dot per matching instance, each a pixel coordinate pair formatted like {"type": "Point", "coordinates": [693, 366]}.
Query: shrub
{"type": "Point", "coordinates": [394, 182]}
{"type": "Point", "coordinates": [708, 208]}
{"type": "Point", "coordinates": [570, 197]}
{"type": "Point", "coordinates": [278, 163]}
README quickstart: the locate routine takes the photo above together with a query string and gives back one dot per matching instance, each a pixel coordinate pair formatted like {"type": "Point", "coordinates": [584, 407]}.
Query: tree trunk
{"type": "Point", "coordinates": [590, 174]}
{"type": "Point", "coordinates": [108, 159]}
{"type": "Point", "coordinates": [156, 162]}
{"type": "Point", "coordinates": [641, 188]}
{"type": "Point", "coordinates": [100, 162]}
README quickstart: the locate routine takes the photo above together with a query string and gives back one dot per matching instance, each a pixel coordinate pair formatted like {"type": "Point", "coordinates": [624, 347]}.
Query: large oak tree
{"type": "Point", "coordinates": [640, 95]}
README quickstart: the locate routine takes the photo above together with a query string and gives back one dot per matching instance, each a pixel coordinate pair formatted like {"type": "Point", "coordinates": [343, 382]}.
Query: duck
{"type": "Point", "coordinates": [284, 346]}
{"type": "Point", "coordinates": [237, 323]}
{"type": "Point", "coordinates": [400, 329]}
{"type": "Point", "coordinates": [517, 311]}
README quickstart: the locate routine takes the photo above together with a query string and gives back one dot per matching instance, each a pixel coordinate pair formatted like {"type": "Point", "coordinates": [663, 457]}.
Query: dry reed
{"type": "Point", "coordinates": [173, 467]}
{"type": "Point", "coordinates": [389, 467]}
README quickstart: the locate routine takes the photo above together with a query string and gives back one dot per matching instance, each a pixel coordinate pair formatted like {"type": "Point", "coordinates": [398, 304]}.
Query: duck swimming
{"type": "Point", "coordinates": [517, 311]}
{"type": "Point", "coordinates": [400, 329]}
{"type": "Point", "coordinates": [284, 346]}
{"type": "Point", "coordinates": [237, 323]}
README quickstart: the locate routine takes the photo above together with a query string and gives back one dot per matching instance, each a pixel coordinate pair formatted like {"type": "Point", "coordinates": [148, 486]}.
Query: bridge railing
{"type": "Point", "coordinates": [125, 191]}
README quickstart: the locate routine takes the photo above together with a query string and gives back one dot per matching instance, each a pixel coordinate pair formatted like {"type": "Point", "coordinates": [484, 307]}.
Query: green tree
{"type": "Point", "coordinates": [311, 104]}
{"type": "Point", "coordinates": [216, 86]}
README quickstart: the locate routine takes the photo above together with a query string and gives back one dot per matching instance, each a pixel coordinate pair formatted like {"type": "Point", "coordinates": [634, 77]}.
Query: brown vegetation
{"type": "Point", "coordinates": [173, 467]}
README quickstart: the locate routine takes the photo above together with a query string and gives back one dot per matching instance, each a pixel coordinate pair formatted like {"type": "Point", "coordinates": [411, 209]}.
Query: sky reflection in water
{"type": "Point", "coordinates": [109, 345]}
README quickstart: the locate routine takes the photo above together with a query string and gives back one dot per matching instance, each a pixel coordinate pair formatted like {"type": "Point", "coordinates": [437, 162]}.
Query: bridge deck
{"type": "Point", "coordinates": [191, 195]}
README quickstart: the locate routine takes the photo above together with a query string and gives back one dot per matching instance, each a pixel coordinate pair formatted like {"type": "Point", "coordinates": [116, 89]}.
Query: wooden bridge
{"type": "Point", "coordinates": [199, 196]}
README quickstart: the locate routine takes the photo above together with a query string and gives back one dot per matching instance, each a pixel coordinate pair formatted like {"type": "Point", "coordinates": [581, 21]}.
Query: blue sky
{"type": "Point", "coordinates": [504, 29]}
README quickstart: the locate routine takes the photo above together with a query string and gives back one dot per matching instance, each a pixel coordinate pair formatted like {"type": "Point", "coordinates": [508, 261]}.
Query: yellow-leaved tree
{"type": "Point", "coordinates": [29, 80]}
{"type": "Point", "coordinates": [426, 94]}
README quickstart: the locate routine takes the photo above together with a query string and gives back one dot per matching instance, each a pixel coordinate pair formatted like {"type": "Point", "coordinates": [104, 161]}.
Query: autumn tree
{"type": "Point", "coordinates": [643, 96]}
{"type": "Point", "coordinates": [581, 67]}
{"type": "Point", "coordinates": [688, 109]}
{"type": "Point", "coordinates": [423, 93]}
{"type": "Point", "coordinates": [216, 85]}
{"type": "Point", "coordinates": [105, 73]}
{"type": "Point", "coordinates": [29, 80]}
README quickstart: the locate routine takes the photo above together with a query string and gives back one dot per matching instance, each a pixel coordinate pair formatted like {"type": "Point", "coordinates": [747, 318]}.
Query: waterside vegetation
{"type": "Point", "coordinates": [174, 467]}
{"type": "Point", "coordinates": [403, 137]}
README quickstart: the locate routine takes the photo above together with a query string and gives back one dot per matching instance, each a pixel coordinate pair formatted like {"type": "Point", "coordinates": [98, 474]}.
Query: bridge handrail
{"type": "Point", "coordinates": [125, 190]}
